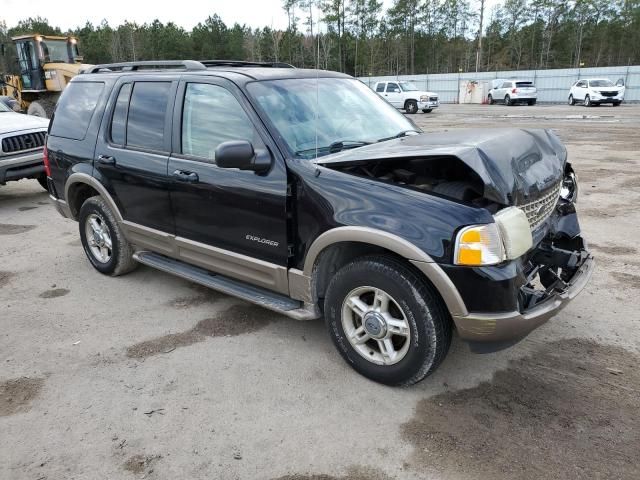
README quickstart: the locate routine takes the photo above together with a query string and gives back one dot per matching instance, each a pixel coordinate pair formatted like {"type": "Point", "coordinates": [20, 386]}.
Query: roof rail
{"type": "Point", "coordinates": [244, 63]}
{"type": "Point", "coordinates": [146, 65]}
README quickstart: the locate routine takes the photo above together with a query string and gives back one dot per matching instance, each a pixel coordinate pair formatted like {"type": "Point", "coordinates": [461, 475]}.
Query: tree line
{"type": "Point", "coordinates": [361, 38]}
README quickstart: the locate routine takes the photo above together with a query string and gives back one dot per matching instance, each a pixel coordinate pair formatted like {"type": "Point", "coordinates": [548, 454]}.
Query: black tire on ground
{"type": "Point", "coordinates": [507, 101]}
{"type": "Point", "coordinates": [411, 107]}
{"type": "Point", "coordinates": [491, 100]}
{"type": "Point", "coordinates": [531, 102]}
{"type": "Point", "coordinates": [42, 180]}
{"type": "Point", "coordinates": [121, 260]}
{"type": "Point", "coordinates": [428, 320]}
{"type": "Point", "coordinates": [427, 110]}
{"type": "Point", "coordinates": [616, 104]}
{"type": "Point", "coordinates": [42, 107]}
{"type": "Point", "coordinates": [587, 101]}
{"type": "Point", "coordinates": [571, 100]}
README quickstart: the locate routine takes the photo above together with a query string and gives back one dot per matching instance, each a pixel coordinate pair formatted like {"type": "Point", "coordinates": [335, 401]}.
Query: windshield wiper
{"type": "Point", "coordinates": [337, 146]}
{"type": "Point", "coordinates": [404, 133]}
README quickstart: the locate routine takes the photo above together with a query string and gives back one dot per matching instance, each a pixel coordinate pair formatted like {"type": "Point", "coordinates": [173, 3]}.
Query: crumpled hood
{"type": "Point", "coordinates": [516, 165]}
{"type": "Point", "coordinates": [14, 122]}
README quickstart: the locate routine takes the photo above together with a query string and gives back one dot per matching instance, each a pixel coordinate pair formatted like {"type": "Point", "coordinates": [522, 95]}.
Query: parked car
{"type": "Point", "coordinates": [406, 96]}
{"type": "Point", "coordinates": [595, 91]}
{"type": "Point", "coordinates": [10, 102]}
{"type": "Point", "coordinates": [511, 92]}
{"type": "Point", "coordinates": [304, 192]}
{"type": "Point", "coordinates": [22, 139]}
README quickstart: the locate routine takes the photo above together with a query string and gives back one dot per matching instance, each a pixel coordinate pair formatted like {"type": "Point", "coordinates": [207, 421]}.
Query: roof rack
{"type": "Point", "coordinates": [244, 63]}
{"type": "Point", "coordinates": [146, 65]}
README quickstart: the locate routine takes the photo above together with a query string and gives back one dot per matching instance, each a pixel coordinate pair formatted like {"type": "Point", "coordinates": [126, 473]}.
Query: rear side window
{"type": "Point", "coordinates": [147, 112]}
{"type": "Point", "coordinates": [380, 87]}
{"type": "Point", "coordinates": [119, 119]}
{"type": "Point", "coordinates": [506, 85]}
{"type": "Point", "coordinates": [75, 109]}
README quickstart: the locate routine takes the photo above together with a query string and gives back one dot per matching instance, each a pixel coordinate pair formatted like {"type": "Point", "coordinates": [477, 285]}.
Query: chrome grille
{"type": "Point", "coordinates": [539, 210]}
{"type": "Point", "coordinates": [26, 141]}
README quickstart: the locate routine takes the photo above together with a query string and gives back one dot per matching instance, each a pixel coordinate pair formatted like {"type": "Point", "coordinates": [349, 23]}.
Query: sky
{"type": "Point", "coordinates": [68, 14]}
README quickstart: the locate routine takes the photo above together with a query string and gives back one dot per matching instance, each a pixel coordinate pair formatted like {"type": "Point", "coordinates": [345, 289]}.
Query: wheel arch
{"type": "Point", "coordinates": [407, 100]}
{"type": "Point", "coordinates": [336, 247]}
{"type": "Point", "coordinates": [80, 186]}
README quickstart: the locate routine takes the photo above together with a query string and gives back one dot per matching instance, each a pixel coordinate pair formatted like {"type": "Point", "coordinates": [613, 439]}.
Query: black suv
{"type": "Point", "coordinates": [306, 193]}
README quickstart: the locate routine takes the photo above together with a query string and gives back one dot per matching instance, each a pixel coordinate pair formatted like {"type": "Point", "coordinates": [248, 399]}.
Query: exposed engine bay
{"type": "Point", "coordinates": [445, 176]}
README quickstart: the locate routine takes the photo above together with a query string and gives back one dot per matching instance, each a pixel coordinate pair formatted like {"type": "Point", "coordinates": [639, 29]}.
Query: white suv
{"type": "Point", "coordinates": [406, 96]}
{"type": "Point", "coordinates": [511, 92]}
{"type": "Point", "coordinates": [594, 91]}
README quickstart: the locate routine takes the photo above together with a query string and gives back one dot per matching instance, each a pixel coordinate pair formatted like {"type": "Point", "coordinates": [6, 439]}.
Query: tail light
{"type": "Point", "coordinates": [45, 158]}
{"type": "Point", "coordinates": [515, 90]}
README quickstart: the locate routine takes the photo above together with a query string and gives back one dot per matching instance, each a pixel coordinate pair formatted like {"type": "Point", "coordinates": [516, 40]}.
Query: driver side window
{"type": "Point", "coordinates": [211, 115]}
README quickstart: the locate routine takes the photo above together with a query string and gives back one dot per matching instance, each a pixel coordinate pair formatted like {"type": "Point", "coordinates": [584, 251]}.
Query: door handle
{"type": "Point", "coordinates": [106, 160]}
{"type": "Point", "coordinates": [182, 176]}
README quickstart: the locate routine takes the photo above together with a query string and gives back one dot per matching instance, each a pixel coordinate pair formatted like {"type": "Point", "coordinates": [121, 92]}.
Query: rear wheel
{"type": "Point", "coordinates": [491, 100]}
{"type": "Point", "coordinates": [411, 107]}
{"type": "Point", "coordinates": [42, 108]}
{"type": "Point", "coordinates": [102, 239]}
{"type": "Point", "coordinates": [507, 101]}
{"type": "Point", "coordinates": [386, 321]}
{"type": "Point", "coordinates": [571, 100]}
{"type": "Point", "coordinates": [531, 102]}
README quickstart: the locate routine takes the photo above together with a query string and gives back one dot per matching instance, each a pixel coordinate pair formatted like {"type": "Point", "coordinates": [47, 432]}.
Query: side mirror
{"type": "Point", "coordinates": [241, 155]}
{"type": "Point", "coordinates": [620, 82]}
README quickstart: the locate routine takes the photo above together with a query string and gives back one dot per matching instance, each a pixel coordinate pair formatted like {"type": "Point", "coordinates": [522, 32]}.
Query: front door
{"type": "Point", "coordinates": [393, 95]}
{"type": "Point", "coordinates": [132, 152]}
{"type": "Point", "coordinates": [224, 212]}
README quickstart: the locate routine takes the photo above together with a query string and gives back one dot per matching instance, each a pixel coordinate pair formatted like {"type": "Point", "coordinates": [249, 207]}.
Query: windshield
{"type": "Point", "coordinates": [600, 83]}
{"type": "Point", "coordinates": [327, 112]}
{"type": "Point", "coordinates": [408, 87]}
{"type": "Point", "coordinates": [56, 50]}
{"type": "Point", "coordinates": [4, 108]}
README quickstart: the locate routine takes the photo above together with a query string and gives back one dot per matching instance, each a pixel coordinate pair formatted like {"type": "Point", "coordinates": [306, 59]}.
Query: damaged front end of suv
{"type": "Point", "coordinates": [514, 268]}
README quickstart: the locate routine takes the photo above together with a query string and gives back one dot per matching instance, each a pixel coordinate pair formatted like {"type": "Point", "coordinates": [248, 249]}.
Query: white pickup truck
{"type": "Point", "coordinates": [406, 96]}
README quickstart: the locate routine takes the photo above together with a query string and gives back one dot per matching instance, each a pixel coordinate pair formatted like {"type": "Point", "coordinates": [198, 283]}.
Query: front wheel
{"type": "Point", "coordinates": [616, 104]}
{"type": "Point", "coordinates": [572, 101]}
{"type": "Point", "coordinates": [427, 110]}
{"type": "Point", "coordinates": [102, 239]}
{"type": "Point", "coordinates": [587, 101]}
{"type": "Point", "coordinates": [386, 321]}
{"type": "Point", "coordinates": [42, 180]}
{"type": "Point", "coordinates": [411, 107]}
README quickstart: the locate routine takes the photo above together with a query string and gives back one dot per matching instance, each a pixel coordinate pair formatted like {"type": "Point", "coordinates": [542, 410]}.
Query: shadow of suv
{"type": "Point", "coordinates": [306, 193]}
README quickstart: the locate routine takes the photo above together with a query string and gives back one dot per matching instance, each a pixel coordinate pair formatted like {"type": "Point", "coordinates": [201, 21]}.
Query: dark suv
{"type": "Point", "coordinates": [304, 192]}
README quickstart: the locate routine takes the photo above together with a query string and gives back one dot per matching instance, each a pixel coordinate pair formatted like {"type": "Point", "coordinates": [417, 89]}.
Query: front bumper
{"type": "Point", "coordinates": [602, 99]}
{"type": "Point", "coordinates": [499, 330]}
{"type": "Point", "coordinates": [16, 167]}
{"type": "Point", "coordinates": [428, 105]}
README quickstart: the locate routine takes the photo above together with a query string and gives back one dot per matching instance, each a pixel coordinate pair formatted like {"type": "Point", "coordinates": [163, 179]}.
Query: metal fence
{"type": "Point", "coordinates": [553, 85]}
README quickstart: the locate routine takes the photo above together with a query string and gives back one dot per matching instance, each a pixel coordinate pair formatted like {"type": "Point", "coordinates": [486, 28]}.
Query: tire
{"type": "Point", "coordinates": [491, 100]}
{"type": "Point", "coordinates": [616, 104]}
{"type": "Point", "coordinates": [411, 107]}
{"type": "Point", "coordinates": [120, 260]}
{"type": "Point", "coordinates": [42, 107]}
{"type": "Point", "coordinates": [427, 110]}
{"type": "Point", "coordinates": [587, 101]}
{"type": "Point", "coordinates": [531, 103]}
{"type": "Point", "coordinates": [42, 180]}
{"type": "Point", "coordinates": [417, 309]}
{"type": "Point", "coordinates": [507, 101]}
{"type": "Point", "coordinates": [571, 100]}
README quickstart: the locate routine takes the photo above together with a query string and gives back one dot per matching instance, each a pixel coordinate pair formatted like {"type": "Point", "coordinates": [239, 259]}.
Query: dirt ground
{"type": "Point", "coordinates": [149, 376]}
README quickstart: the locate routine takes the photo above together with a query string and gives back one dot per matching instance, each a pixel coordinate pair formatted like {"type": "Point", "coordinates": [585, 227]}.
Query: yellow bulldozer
{"type": "Point", "coordinates": [45, 66]}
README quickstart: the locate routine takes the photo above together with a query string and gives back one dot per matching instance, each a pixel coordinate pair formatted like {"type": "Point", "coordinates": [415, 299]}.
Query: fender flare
{"type": "Point", "coordinates": [87, 179]}
{"type": "Point", "coordinates": [396, 244]}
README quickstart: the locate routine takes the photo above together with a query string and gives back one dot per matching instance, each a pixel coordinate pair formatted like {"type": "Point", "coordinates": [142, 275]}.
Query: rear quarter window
{"type": "Point", "coordinates": [380, 87]}
{"type": "Point", "coordinates": [75, 109]}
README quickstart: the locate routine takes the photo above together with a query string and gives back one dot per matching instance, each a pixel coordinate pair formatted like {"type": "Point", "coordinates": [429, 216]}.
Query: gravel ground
{"type": "Point", "coordinates": [149, 376]}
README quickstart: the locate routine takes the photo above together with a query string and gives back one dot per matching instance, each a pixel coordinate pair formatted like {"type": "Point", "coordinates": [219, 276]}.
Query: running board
{"type": "Point", "coordinates": [260, 296]}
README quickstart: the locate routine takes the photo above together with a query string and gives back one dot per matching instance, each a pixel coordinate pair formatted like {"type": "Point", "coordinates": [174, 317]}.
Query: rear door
{"type": "Point", "coordinates": [226, 211]}
{"type": "Point", "coordinates": [132, 152]}
{"type": "Point", "coordinates": [504, 90]}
